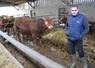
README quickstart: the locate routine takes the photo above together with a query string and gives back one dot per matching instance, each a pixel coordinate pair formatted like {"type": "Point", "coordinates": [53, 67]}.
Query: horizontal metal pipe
{"type": "Point", "coordinates": [32, 54]}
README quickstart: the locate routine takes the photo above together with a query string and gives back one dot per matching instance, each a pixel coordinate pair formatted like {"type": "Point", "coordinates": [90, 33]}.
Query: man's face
{"type": "Point", "coordinates": [74, 11]}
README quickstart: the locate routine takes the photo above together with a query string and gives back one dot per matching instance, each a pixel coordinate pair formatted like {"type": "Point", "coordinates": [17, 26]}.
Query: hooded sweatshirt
{"type": "Point", "coordinates": [76, 26]}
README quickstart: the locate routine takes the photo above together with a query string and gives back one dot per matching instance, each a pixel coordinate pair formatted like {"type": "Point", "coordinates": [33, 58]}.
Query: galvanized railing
{"type": "Point", "coordinates": [31, 53]}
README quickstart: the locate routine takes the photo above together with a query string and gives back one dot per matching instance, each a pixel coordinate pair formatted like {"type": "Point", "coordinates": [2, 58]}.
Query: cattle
{"type": "Point", "coordinates": [34, 27]}
{"type": "Point", "coordinates": [62, 20]}
{"type": "Point", "coordinates": [6, 24]}
{"type": "Point", "coordinates": [92, 27]}
{"type": "Point", "coordinates": [0, 23]}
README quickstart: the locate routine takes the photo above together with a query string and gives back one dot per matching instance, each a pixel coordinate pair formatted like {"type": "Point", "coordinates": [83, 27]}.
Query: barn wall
{"type": "Point", "coordinates": [88, 10]}
{"type": "Point", "coordinates": [50, 7]}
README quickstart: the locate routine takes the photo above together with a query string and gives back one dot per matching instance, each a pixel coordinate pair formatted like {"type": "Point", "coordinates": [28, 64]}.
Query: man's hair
{"type": "Point", "coordinates": [74, 6]}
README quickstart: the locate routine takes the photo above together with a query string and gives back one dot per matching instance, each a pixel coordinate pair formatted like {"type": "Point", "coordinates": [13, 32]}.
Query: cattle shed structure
{"type": "Point", "coordinates": [51, 7]}
{"type": "Point", "coordinates": [35, 23]}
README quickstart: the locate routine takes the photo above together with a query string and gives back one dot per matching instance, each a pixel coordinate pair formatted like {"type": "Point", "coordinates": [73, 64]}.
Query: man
{"type": "Point", "coordinates": [76, 28]}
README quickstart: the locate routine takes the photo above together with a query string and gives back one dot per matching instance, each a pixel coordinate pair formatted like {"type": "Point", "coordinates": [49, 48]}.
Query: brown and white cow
{"type": "Point", "coordinates": [34, 27]}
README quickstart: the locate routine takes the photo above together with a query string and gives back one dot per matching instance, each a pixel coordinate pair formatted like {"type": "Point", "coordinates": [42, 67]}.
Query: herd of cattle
{"type": "Point", "coordinates": [21, 27]}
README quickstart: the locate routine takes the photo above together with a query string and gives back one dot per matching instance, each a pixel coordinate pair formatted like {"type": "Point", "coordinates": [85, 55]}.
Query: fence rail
{"type": "Point", "coordinates": [32, 54]}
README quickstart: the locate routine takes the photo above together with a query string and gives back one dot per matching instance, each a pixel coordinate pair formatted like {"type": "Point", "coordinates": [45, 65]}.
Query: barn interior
{"type": "Point", "coordinates": [54, 41]}
{"type": "Point", "coordinates": [14, 2]}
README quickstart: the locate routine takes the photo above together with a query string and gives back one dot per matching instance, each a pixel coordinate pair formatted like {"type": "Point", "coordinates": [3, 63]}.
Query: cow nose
{"type": "Point", "coordinates": [50, 27]}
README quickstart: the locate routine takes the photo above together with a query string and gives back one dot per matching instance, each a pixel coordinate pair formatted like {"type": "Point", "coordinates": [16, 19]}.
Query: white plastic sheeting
{"type": "Point", "coordinates": [10, 11]}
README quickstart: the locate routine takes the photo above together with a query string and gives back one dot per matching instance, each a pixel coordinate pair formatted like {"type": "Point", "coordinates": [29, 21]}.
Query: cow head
{"type": "Point", "coordinates": [63, 20]}
{"type": "Point", "coordinates": [48, 22]}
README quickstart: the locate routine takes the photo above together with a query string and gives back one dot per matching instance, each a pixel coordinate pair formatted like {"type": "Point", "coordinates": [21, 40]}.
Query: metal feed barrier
{"type": "Point", "coordinates": [32, 54]}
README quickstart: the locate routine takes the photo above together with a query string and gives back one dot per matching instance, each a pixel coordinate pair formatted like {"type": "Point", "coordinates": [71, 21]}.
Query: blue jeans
{"type": "Point", "coordinates": [76, 45]}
